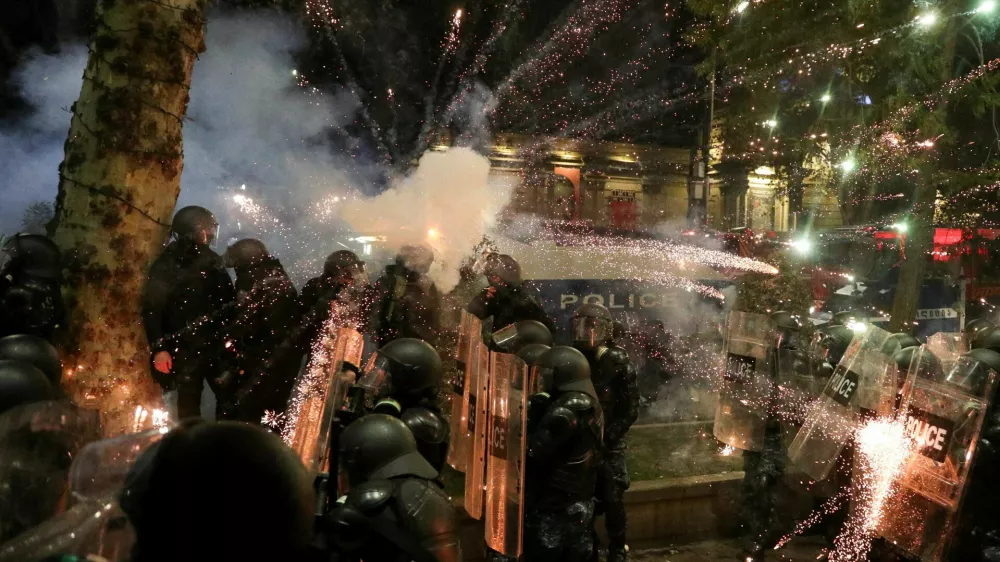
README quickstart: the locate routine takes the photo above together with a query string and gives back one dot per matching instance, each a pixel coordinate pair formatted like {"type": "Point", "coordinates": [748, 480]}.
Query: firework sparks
{"type": "Point", "coordinates": [884, 448]}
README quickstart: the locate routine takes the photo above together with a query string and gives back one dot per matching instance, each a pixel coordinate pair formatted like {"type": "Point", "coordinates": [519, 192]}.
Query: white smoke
{"type": "Point", "coordinates": [447, 203]}
{"type": "Point", "coordinates": [269, 155]}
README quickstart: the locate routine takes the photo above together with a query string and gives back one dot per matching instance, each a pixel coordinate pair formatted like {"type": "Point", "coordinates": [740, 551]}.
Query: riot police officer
{"type": "Point", "coordinates": [342, 272]}
{"type": "Point", "coordinates": [30, 300]}
{"type": "Point", "coordinates": [988, 338]}
{"type": "Point", "coordinates": [563, 460]}
{"type": "Point", "coordinates": [615, 381]}
{"type": "Point", "coordinates": [506, 299]}
{"type": "Point", "coordinates": [185, 306]}
{"type": "Point", "coordinates": [212, 491]}
{"type": "Point", "coordinates": [404, 377]}
{"type": "Point", "coordinates": [394, 510]}
{"type": "Point", "coordinates": [265, 314]}
{"type": "Point", "coordinates": [974, 327]}
{"type": "Point", "coordinates": [408, 303]}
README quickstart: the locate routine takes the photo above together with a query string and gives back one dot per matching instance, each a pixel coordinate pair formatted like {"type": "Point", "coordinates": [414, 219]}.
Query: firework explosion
{"type": "Point", "coordinates": [883, 447]}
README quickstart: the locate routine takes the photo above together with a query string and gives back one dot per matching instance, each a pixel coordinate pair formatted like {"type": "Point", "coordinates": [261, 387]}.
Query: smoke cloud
{"type": "Point", "coordinates": [447, 204]}
{"type": "Point", "coordinates": [268, 154]}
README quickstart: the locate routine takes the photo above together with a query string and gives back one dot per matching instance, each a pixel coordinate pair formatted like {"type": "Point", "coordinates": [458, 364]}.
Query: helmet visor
{"type": "Point", "coordinates": [507, 338]}
{"type": "Point", "coordinates": [376, 379]}
{"type": "Point", "coordinates": [591, 332]}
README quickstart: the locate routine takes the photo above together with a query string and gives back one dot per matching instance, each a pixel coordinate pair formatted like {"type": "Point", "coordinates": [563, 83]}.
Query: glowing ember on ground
{"type": "Point", "coordinates": [727, 451]}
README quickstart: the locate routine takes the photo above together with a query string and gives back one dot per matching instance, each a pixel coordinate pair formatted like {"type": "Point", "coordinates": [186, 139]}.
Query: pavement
{"type": "Point", "coordinates": [802, 549]}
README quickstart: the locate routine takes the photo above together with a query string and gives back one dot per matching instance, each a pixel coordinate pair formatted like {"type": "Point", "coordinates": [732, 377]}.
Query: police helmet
{"type": "Point", "coordinates": [897, 341]}
{"type": "Point", "coordinates": [502, 269]}
{"type": "Point", "coordinates": [904, 357]}
{"type": "Point", "coordinates": [245, 253]}
{"type": "Point", "coordinates": [592, 326]}
{"type": "Point", "coordinates": [379, 446]}
{"type": "Point", "coordinates": [219, 491]}
{"type": "Point", "coordinates": [33, 255]}
{"type": "Point", "coordinates": [988, 338]}
{"type": "Point", "coordinates": [21, 383]}
{"type": "Point", "coordinates": [531, 352]}
{"type": "Point", "coordinates": [403, 367]}
{"type": "Point", "coordinates": [34, 350]}
{"type": "Point", "coordinates": [565, 369]}
{"type": "Point", "coordinates": [973, 327]}
{"type": "Point", "coordinates": [196, 225]}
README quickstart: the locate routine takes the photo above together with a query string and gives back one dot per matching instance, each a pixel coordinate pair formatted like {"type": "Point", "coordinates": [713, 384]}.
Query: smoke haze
{"type": "Point", "coordinates": [268, 154]}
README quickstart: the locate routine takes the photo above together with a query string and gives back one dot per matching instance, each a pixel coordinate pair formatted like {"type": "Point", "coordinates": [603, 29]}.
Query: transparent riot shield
{"type": "Point", "coordinates": [947, 347]}
{"type": "Point", "coordinates": [477, 404]}
{"type": "Point", "coordinates": [318, 394]}
{"type": "Point", "coordinates": [746, 385]}
{"type": "Point", "coordinates": [943, 412]}
{"type": "Point", "coordinates": [799, 384]}
{"type": "Point", "coordinates": [469, 331]}
{"type": "Point", "coordinates": [863, 384]}
{"type": "Point", "coordinates": [37, 441]}
{"type": "Point", "coordinates": [506, 451]}
{"type": "Point", "coordinates": [94, 523]}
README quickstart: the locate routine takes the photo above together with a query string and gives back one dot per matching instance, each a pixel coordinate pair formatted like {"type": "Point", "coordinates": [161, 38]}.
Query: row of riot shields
{"type": "Point", "coordinates": [489, 418]}
{"type": "Point", "coordinates": [941, 400]}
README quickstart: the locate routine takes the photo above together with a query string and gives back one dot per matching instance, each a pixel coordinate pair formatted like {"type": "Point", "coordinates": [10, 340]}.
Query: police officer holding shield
{"type": "Point", "coordinates": [615, 381]}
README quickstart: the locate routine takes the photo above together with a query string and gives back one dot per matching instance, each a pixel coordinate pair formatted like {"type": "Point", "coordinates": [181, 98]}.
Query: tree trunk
{"type": "Point", "coordinates": [919, 242]}
{"type": "Point", "coordinates": [118, 185]}
{"type": "Point", "coordinates": [921, 224]}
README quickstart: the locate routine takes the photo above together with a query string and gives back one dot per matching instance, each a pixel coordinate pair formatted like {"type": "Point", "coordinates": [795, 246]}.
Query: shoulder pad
{"type": "Point", "coordinates": [425, 424]}
{"type": "Point", "coordinates": [614, 354]}
{"type": "Point", "coordinates": [575, 401]}
{"type": "Point", "coordinates": [369, 498]}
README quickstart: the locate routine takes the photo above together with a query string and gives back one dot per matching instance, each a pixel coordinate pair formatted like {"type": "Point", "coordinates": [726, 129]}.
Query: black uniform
{"type": "Point", "coordinates": [185, 304]}
{"type": "Point", "coordinates": [615, 380]}
{"type": "Point", "coordinates": [409, 306]}
{"type": "Point", "coordinates": [30, 298]}
{"type": "Point", "coordinates": [508, 304]}
{"type": "Point", "coordinates": [266, 312]}
{"type": "Point", "coordinates": [395, 510]}
{"type": "Point", "coordinates": [616, 383]}
{"type": "Point", "coordinates": [563, 460]}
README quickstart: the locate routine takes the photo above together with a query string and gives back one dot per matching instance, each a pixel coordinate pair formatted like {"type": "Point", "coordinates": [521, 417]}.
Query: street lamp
{"type": "Point", "coordinates": [848, 165]}
{"type": "Point", "coordinates": [771, 123]}
{"type": "Point", "coordinates": [927, 19]}
{"type": "Point", "coordinates": [742, 6]}
{"type": "Point", "coordinates": [826, 98]}
{"type": "Point", "coordinates": [986, 7]}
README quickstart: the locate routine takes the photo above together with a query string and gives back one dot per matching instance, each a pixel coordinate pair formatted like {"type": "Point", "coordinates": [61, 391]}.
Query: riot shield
{"type": "Point", "coordinates": [506, 451]}
{"type": "Point", "coordinates": [947, 346]}
{"type": "Point", "coordinates": [863, 384]}
{"type": "Point", "coordinates": [746, 385]}
{"type": "Point", "coordinates": [94, 524]}
{"type": "Point", "coordinates": [469, 331]}
{"type": "Point", "coordinates": [944, 415]}
{"type": "Point", "coordinates": [37, 441]}
{"type": "Point", "coordinates": [475, 405]}
{"type": "Point", "coordinates": [318, 394]}
{"type": "Point", "coordinates": [799, 384]}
